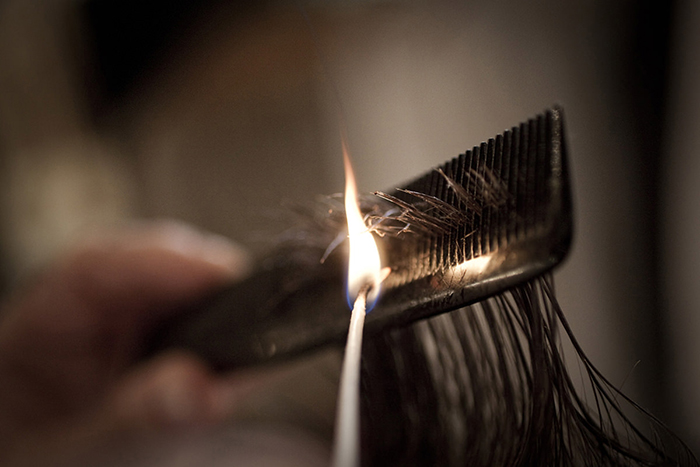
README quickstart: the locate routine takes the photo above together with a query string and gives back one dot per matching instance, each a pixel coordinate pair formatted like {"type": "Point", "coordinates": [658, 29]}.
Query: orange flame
{"type": "Point", "coordinates": [364, 266]}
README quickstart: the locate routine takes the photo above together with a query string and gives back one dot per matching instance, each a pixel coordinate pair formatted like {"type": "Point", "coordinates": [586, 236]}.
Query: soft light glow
{"type": "Point", "coordinates": [364, 264]}
{"type": "Point", "coordinates": [471, 269]}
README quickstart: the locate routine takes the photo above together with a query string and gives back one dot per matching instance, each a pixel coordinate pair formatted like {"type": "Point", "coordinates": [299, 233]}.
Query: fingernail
{"type": "Point", "coordinates": [213, 249]}
{"type": "Point", "coordinates": [220, 251]}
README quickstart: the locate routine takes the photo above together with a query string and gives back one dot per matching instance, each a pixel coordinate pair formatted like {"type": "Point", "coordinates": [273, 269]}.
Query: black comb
{"type": "Point", "coordinates": [483, 222]}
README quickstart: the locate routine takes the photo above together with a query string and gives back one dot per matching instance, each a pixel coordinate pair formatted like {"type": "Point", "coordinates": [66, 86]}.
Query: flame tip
{"type": "Point", "coordinates": [364, 268]}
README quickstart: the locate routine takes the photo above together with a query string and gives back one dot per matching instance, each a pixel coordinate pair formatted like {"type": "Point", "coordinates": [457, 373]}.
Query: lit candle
{"type": "Point", "coordinates": [364, 279]}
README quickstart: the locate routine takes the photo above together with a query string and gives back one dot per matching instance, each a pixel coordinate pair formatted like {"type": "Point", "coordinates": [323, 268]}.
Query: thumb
{"type": "Point", "coordinates": [174, 390]}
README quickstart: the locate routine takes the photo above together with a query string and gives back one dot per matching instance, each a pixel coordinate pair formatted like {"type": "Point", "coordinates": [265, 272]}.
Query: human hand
{"type": "Point", "coordinates": [70, 379]}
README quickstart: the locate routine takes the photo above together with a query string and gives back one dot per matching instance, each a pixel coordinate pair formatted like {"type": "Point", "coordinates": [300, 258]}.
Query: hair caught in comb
{"type": "Point", "coordinates": [431, 215]}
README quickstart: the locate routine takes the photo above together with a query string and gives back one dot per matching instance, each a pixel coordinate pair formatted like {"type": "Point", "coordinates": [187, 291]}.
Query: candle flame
{"type": "Point", "coordinates": [364, 268]}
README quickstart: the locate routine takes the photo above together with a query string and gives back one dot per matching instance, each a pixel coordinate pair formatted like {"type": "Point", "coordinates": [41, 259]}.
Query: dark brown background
{"type": "Point", "coordinates": [218, 114]}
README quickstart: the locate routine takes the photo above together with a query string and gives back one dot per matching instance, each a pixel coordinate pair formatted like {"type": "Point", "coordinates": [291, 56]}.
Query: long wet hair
{"type": "Point", "coordinates": [487, 385]}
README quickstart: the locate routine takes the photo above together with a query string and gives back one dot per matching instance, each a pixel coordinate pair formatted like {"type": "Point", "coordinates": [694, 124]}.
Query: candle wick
{"type": "Point", "coordinates": [346, 445]}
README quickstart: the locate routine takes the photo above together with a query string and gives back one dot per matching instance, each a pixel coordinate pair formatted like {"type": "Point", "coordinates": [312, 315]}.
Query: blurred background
{"type": "Point", "coordinates": [219, 113]}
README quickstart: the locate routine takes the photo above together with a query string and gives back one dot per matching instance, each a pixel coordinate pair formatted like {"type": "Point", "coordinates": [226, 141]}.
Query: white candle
{"type": "Point", "coordinates": [346, 445]}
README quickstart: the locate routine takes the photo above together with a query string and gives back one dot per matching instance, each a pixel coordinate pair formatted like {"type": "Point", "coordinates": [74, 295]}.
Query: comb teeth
{"type": "Point", "coordinates": [521, 171]}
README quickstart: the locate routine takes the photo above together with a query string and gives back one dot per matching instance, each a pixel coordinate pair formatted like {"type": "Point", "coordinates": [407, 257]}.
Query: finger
{"type": "Point", "coordinates": [125, 280]}
{"type": "Point", "coordinates": [177, 389]}
{"type": "Point", "coordinates": [173, 390]}
{"type": "Point", "coordinates": [162, 263]}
